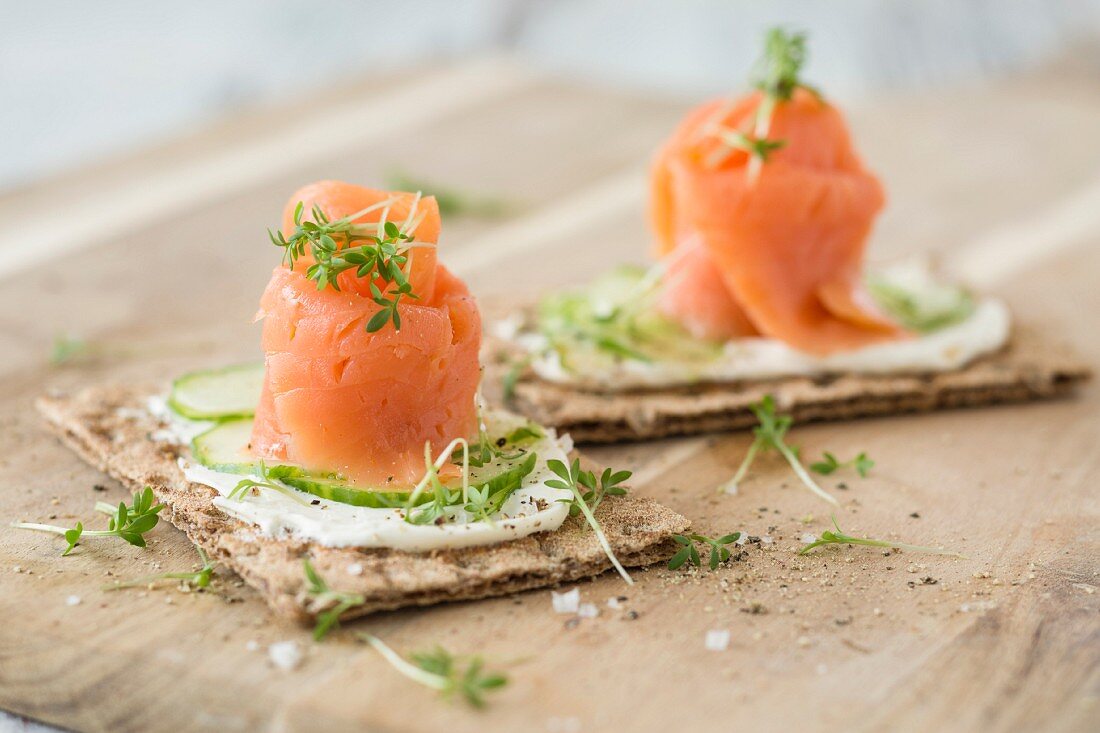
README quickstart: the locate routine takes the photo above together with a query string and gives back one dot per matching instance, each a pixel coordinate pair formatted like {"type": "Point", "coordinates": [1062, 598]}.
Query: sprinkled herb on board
{"type": "Point", "coordinates": [688, 553]}
{"type": "Point", "coordinates": [829, 464]}
{"type": "Point", "coordinates": [584, 488]}
{"type": "Point", "coordinates": [839, 538]}
{"type": "Point", "coordinates": [129, 523]}
{"type": "Point", "coordinates": [770, 435]}
{"type": "Point", "coordinates": [442, 671]}
{"type": "Point", "coordinates": [195, 580]}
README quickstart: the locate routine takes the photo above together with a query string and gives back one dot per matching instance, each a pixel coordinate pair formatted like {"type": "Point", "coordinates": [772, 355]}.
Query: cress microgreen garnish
{"type": "Point", "coordinates": [330, 603]}
{"type": "Point", "coordinates": [268, 480]}
{"type": "Point", "coordinates": [594, 492]}
{"type": "Point", "coordinates": [443, 499]}
{"type": "Point", "coordinates": [757, 148]}
{"type": "Point", "coordinates": [688, 553]}
{"type": "Point", "coordinates": [333, 246]}
{"type": "Point", "coordinates": [770, 435]}
{"type": "Point", "coordinates": [829, 464]}
{"type": "Point", "coordinates": [839, 538]}
{"type": "Point", "coordinates": [129, 523]}
{"type": "Point", "coordinates": [482, 452]}
{"type": "Point", "coordinates": [777, 71]}
{"type": "Point", "coordinates": [442, 671]}
{"type": "Point", "coordinates": [582, 484]}
{"type": "Point", "coordinates": [194, 580]}
{"type": "Point", "coordinates": [451, 201]}
{"type": "Point", "coordinates": [481, 500]}
{"type": "Point", "coordinates": [777, 76]}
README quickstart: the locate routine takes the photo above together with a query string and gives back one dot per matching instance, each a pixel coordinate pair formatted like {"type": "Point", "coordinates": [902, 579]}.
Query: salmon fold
{"type": "Point", "coordinates": [338, 399]}
{"type": "Point", "coordinates": [769, 247]}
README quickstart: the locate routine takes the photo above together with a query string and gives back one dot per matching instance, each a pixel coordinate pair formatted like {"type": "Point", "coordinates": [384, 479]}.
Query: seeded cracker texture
{"type": "Point", "coordinates": [123, 444]}
{"type": "Point", "coordinates": [1028, 368]}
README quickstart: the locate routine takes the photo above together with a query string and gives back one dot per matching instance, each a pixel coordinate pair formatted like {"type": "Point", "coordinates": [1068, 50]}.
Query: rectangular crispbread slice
{"type": "Point", "coordinates": [1028, 368]}
{"type": "Point", "coordinates": [109, 428]}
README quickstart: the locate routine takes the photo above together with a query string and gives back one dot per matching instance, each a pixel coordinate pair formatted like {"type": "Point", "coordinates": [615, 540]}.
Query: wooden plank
{"type": "Point", "coordinates": [854, 638]}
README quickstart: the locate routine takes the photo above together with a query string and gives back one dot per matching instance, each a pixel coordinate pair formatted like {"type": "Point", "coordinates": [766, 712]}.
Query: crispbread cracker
{"type": "Point", "coordinates": [109, 428]}
{"type": "Point", "coordinates": [1028, 368]}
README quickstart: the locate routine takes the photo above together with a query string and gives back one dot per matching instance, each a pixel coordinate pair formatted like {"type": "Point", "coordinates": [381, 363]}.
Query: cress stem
{"type": "Point", "coordinates": [600, 537]}
{"type": "Point", "coordinates": [404, 667]}
{"type": "Point", "coordinates": [806, 478]}
{"type": "Point", "coordinates": [52, 529]}
{"type": "Point", "coordinates": [730, 487]}
{"type": "Point", "coordinates": [903, 546]}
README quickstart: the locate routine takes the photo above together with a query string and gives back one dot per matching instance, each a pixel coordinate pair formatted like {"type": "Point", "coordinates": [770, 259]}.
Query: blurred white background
{"type": "Point", "coordinates": [83, 80]}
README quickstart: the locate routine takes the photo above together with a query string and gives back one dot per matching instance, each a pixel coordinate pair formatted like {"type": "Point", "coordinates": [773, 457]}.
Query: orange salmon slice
{"type": "Point", "coordinates": [785, 245]}
{"type": "Point", "coordinates": [338, 399]}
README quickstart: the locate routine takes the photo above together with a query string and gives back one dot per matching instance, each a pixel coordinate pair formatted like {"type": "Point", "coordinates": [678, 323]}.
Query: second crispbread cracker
{"type": "Point", "coordinates": [109, 428]}
{"type": "Point", "coordinates": [1028, 368]}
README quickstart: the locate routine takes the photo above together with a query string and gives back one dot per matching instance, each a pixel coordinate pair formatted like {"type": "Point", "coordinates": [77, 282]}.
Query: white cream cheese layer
{"type": "Point", "coordinates": [534, 507]}
{"type": "Point", "coordinates": [983, 331]}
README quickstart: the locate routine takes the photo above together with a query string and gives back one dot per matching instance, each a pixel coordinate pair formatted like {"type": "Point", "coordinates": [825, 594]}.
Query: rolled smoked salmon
{"type": "Point", "coordinates": [785, 242]}
{"type": "Point", "coordinates": [337, 398]}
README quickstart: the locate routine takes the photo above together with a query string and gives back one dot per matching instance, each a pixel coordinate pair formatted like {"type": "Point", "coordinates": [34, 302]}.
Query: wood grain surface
{"type": "Point", "coordinates": [997, 180]}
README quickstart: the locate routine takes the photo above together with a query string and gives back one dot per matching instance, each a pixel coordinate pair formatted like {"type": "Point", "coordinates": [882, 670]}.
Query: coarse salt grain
{"type": "Point", "coordinates": [567, 602]}
{"type": "Point", "coordinates": [285, 654]}
{"type": "Point", "coordinates": [355, 568]}
{"type": "Point", "coordinates": [588, 610]}
{"type": "Point", "coordinates": [613, 603]}
{"type": "Point", "coordinates": [72, 601]}
{"type": "Point", "coordinates": [808, 538]}
{"type": "Point", "coordinates": [717, 640]}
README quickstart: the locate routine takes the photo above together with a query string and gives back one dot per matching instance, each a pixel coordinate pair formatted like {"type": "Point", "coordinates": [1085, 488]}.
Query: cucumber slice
{"type": "Point", "coordinates": [218, 394]}
{"type": "Point", "coordinates": [224, 447]}
{"type": "Point", "coordinates": [338, 490]}
{"type": "Point", "coordinates": [507, 480]}
{"type": "Point", "coordinates": [501, 480]}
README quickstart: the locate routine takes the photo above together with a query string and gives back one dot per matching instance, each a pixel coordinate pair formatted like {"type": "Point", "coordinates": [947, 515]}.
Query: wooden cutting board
{"type": "Point", "coordinates": [163, 255]}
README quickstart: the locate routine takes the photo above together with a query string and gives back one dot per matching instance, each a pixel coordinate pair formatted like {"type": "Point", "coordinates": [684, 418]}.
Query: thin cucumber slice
{"type": "Point", "coordinates": [224, 447]}
{"type": "Point", "coordinates": [507, 480]}
{"type": "Point", "coordinates": [218, 394]}
{"type": "Point", "coordinates": [502, 480]}
{"type": "Point", "coordinates": [339, 490]}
